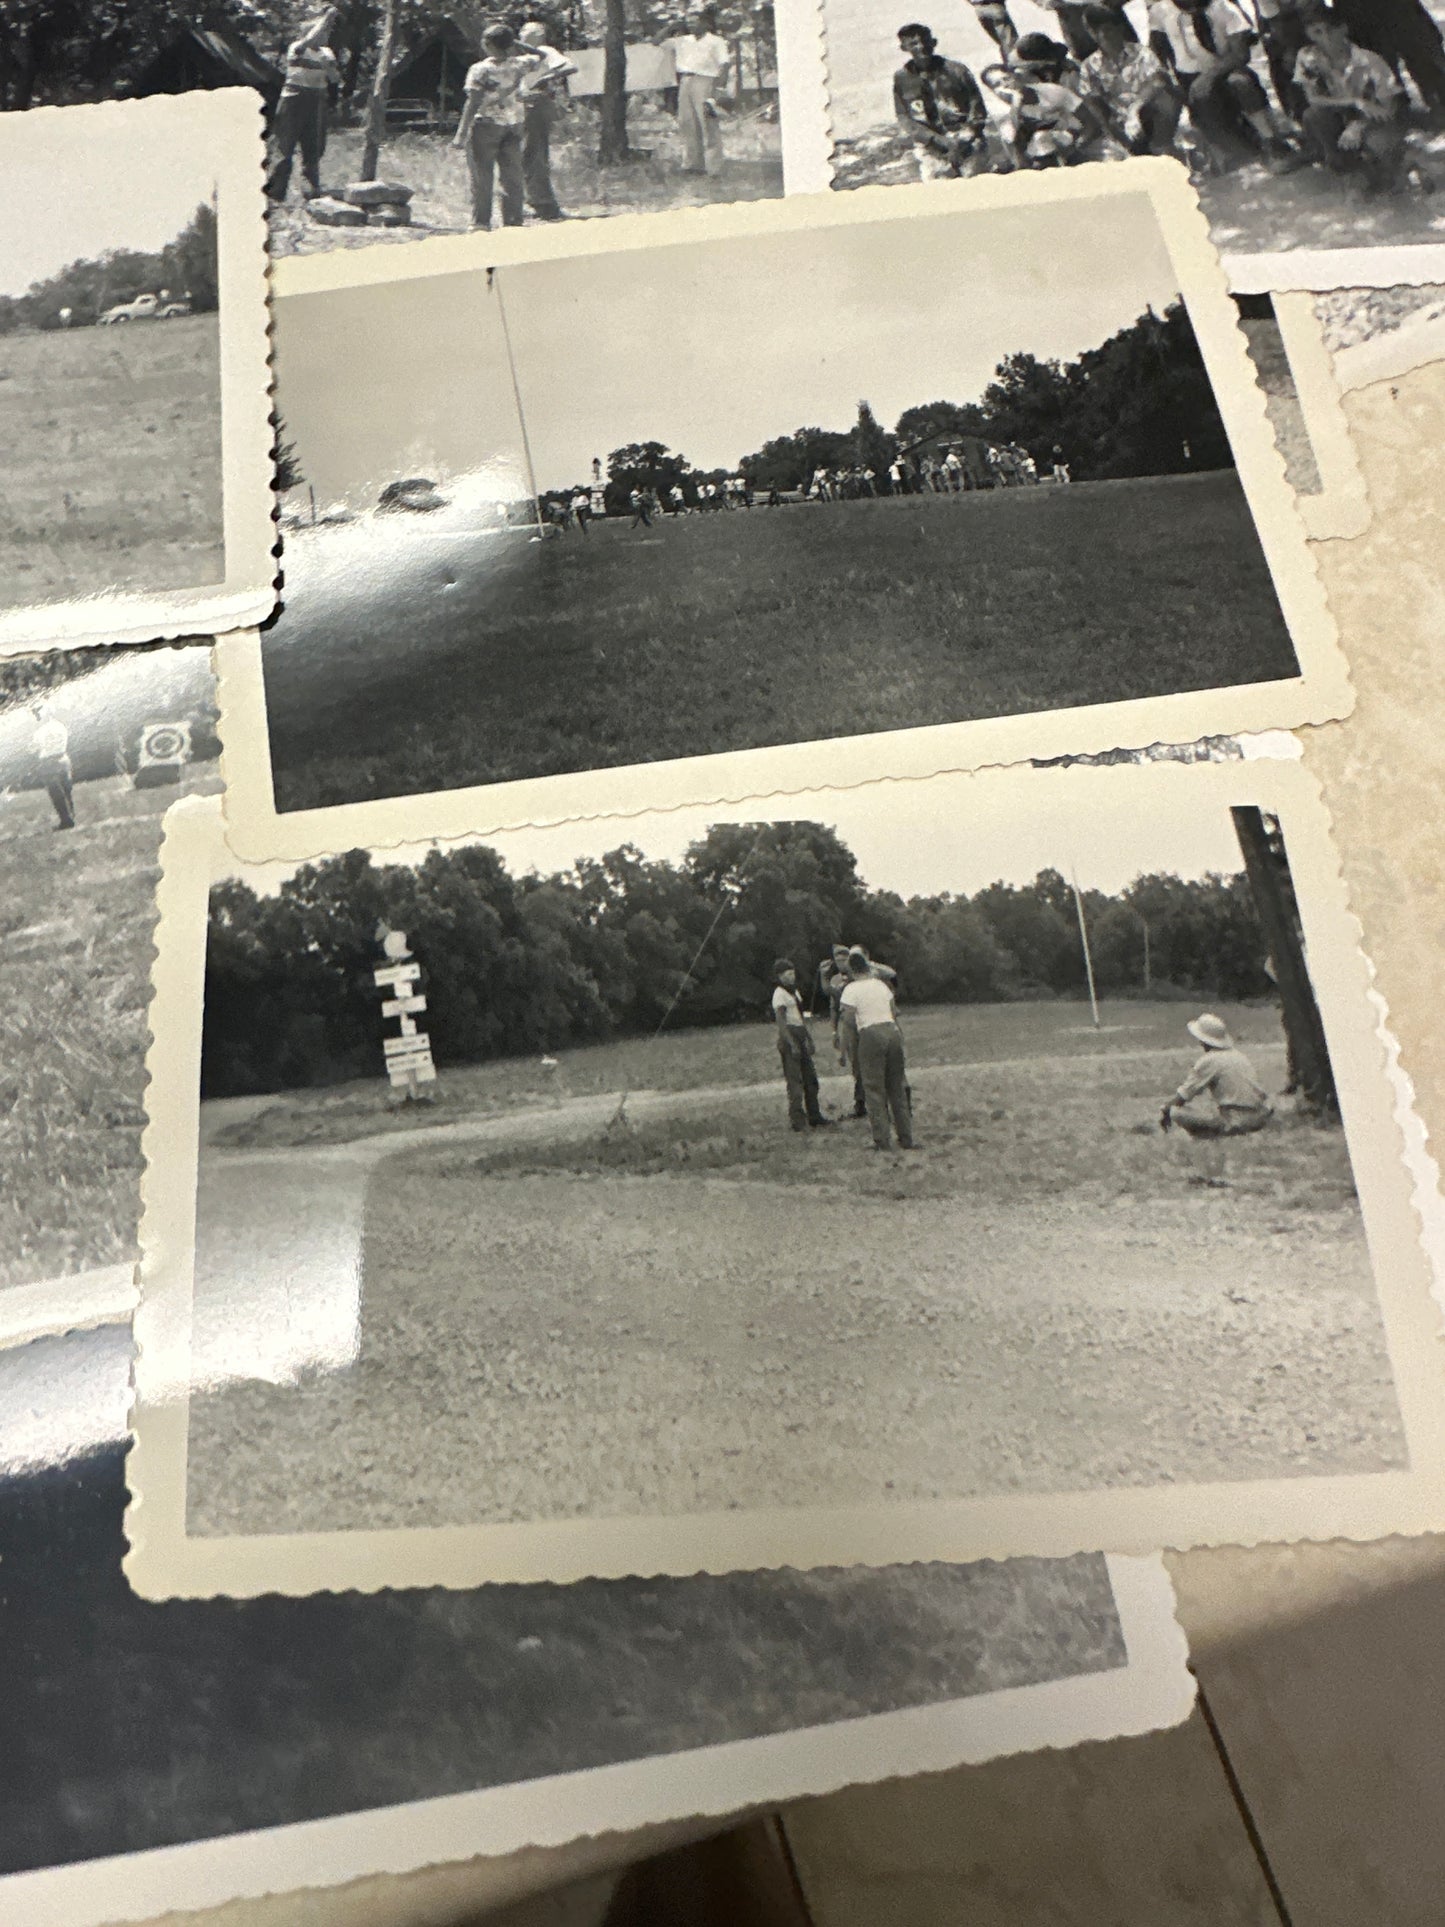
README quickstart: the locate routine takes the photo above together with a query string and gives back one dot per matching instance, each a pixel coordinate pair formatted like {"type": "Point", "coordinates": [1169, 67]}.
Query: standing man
{"type": "Point", "coordinates": [51, 748]}
{"type": "Point", "coordinates": [496, 91]}
{"type": "Point", "coordinates": [868, 1013]}
{"type": "Point", "coordinates": [833, 979]}
{"type": "Point", "coordinates": [540, 113]}
{"type": "Point", "coordinates": [582, 509]}
{"type": "Point", "coordinates": [795, 1049]}
{"type": "Point", "coordinates": [702, 58]}
{"type": "Point", "coordinates": [940, 106]}
{"type": "Point", "coordinates": [300, 116]}
{"type": "Point", "coordinates": [641, 509]}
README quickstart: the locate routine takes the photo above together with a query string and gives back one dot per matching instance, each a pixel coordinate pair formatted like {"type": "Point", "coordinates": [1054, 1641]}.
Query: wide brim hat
{"type": "Point", "coordinates": [1211, 1031]}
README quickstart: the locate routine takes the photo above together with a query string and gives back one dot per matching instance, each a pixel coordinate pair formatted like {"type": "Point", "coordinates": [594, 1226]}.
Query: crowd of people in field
{"type": "Point", "coordinates": [944, 469]}
{"type": "Point", "coordinates": [1287, 84]}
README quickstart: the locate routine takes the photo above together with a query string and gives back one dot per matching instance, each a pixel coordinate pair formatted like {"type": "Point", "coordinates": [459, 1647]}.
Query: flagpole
{"type": "Point", "coordinates": [1084, 940]}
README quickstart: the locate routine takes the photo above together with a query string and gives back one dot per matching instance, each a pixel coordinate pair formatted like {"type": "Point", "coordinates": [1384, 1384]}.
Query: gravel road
{"type": "Point", "coordinates": [557, 1344]}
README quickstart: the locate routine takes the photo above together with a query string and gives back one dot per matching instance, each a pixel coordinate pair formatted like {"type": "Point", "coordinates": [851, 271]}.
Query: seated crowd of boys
{"type": "Point", "coordinates": [1337, 95]}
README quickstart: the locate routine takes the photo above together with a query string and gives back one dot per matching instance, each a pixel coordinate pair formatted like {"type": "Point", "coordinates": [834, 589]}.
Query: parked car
{"type": "Point", "coordinates": [145, 307]}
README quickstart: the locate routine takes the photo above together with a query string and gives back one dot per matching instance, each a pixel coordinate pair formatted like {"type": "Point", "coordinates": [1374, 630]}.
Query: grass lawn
{"type": "Point", "coordinates": [146, 1724]}
{"type": "Point", "coordinates": [110, 460]}
{"type": "Point", "coordinates": [437, 174]}
{"type": "Point", "coordinates": [77, 909]}
{"type": "Point", "coordinates": [734, 1054]}
{"type": "Point", "coordinates": [738, 630]}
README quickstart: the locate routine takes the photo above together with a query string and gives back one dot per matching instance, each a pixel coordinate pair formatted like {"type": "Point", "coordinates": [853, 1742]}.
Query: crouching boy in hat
{"type": "Point", "coordinates": [1221, 1097]}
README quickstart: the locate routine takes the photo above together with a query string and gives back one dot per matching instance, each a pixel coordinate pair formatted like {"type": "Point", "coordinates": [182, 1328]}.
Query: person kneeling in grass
{"type": "Point", "coordinates": [1235, 1103]}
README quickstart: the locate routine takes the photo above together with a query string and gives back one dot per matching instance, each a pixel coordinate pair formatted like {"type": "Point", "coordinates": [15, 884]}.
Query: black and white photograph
{"type": "Point", "coordinates": [394, 121]}
{"type": "Point", "coordinates": [134, 442]}
{"type": "Point", "coordinates": [184, 1755]}
{"type": "Point", "coordinates": [1314, 132]}
{"type": "Point", "coordinates": [980, 1166]}
{"type": "Point", "coordinates": [93, 748]}
{"type": "Point", "coordinates": [1041, 512]}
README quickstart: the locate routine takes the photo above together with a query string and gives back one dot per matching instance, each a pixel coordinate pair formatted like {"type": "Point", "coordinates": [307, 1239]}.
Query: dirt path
{"type": "Point", "coordinates": [556, 1344]}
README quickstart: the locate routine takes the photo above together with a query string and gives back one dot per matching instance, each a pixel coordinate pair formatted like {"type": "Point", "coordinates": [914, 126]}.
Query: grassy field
{"type": "Point", "coordinates": [731, 1055]}
{"type": "Point", "coordinates": [437, 174]}
{"type": "Point", "coordinates": [76, 914]}
{"type": "Point", "coordinates": [777, 626]}
{"type": "Point", "coordinates": [143, 1724]}
{"type": "Point", "coordinates": [110, 460]}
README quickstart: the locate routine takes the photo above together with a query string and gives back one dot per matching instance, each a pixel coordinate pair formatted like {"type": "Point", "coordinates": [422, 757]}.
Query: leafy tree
{"type": "Point", "coordinates": [925, 420]}
{"type": "Point", "coordinates": [870, 445]}
{"type": "Point", "coordinates": [645, 465]}
{"type": "Point", "coordinates": [620, 944]}
{"type": "Point", "coordinates": [788, 461]}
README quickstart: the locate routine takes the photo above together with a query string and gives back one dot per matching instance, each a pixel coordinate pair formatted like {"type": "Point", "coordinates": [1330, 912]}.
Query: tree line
{"type": "Point", "coordinates": [187, 266]}
{"type": "Point", "coordinates": [1141, 403]}
{"type": "Point", "coordinates": [618, 945]}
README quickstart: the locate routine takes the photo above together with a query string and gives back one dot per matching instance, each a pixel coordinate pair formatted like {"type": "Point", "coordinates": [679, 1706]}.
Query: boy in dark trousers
{"type": "Point", "coordinates": [795, 1049]}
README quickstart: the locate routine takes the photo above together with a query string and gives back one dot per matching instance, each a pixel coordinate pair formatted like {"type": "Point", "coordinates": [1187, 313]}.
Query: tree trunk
{"type": "Point", "coordinates": [613, 143]}
{"type": "Point", "coordinates": [380, 89]}
{"type": "Point", "coordinates": [1268, 873]}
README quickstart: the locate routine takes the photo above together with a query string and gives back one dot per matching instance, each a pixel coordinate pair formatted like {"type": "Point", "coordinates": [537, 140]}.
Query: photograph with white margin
{"type": "Point", "coordinates": [94, 744]}
{"type": "Point", "coordinates": [387, 125]}
{"type": "Point", "coordinates": [135, 439]}
{"type": "Point", "coordinates": [1005, 486]}
{"type": "Point", "coordinates": [351, 1734]}
{"type": "Point", "coordinates": [1303, 395]}
{"type": "Point", "coordinates": [1314, 132]}
{"type": "Point", "coordinates": [988, 1165]}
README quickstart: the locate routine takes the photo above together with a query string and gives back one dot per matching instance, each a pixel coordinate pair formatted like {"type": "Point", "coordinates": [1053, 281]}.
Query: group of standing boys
{"type": "Point", "coordinates": [1099, 91]}
{"type": "Point", "coordinates": [866, 1037]}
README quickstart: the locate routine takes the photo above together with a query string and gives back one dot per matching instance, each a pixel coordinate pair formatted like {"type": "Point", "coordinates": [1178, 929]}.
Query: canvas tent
{"type": "Point", "coordinates": [426, 85]}
{"type": "Point", "coordinates": [208, 57]}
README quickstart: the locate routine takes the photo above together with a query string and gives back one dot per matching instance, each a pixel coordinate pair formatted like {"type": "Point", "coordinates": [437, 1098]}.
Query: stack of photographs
{"type": "Point", "coordinates": [685, 1058]}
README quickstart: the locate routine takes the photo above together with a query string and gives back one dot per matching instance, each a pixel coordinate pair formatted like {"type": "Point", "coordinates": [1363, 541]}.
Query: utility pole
{"type": "Point", "coordinates": [1084, 940]}
{"type": "Point", "coordinates": [1267, 867]}
{"type": "Point", "coordinates": [380, 89]}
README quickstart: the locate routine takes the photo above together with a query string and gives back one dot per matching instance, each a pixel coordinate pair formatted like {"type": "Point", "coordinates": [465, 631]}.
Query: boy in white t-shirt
{"type": "Point", "coordinates": [795, 1049]}
{"type": "Point", "coordinates": [867, 1011]}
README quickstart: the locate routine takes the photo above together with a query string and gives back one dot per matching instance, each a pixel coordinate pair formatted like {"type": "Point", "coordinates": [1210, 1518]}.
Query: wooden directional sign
{"type": "Point", "coordinates": [408, 1053]}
